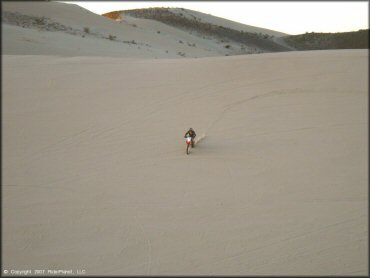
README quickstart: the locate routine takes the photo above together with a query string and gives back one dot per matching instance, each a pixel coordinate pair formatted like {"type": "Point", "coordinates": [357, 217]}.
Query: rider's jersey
{"type": "Point", "coordinates": [191, 133]}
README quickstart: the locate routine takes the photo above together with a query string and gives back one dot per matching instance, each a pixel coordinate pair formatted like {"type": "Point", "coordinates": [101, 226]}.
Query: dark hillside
{"type": "Point", "coordinates": [316, 41]}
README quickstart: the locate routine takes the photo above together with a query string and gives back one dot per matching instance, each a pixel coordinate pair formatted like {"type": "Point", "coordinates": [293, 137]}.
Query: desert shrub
{"type": "Point", "coordinates": [227, 46]}
{"type": "Point", "coordinates": [40, 21]}
{"type": "Point", "coordinates": [111, 37]}
{"type": "Point", "coordinates": [87, 30]}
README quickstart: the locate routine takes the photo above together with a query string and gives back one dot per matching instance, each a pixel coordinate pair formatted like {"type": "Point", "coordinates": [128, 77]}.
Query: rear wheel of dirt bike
{"type": "Point", "coordinates": [187, 149]}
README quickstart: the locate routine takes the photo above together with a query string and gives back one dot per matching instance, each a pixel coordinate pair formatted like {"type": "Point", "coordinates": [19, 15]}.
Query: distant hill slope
{"type": "Point", "coordinates": [317, 41]}
{"type": "Point", "coordinates": [205, 25]}
{"type": "Point", "coordinates": [152, 13]}
{"type": "Point", "coordinates": [53, 28]}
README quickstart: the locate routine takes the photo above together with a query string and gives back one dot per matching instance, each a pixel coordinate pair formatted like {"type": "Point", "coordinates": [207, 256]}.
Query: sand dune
{"type": "Point", "coordinates": [95, 175]}
{"type": "Point", "coordinates": [63, 33]}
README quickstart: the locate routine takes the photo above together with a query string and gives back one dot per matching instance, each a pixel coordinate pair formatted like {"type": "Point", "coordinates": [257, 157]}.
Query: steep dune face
{"type": "Point", "coordinates": [96, 177]}
{"type": "Point", "coordinates": [67, 30]}
{"type": "Point", "coordinates": [60, 12]}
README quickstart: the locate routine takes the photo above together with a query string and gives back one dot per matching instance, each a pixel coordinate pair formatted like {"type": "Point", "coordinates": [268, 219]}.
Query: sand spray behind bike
{"type": "Point", "coordinates": [200, 138]}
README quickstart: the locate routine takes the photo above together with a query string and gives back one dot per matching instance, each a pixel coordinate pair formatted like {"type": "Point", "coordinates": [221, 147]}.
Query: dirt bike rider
{"type": "Point", "coordinates": [192, 134]}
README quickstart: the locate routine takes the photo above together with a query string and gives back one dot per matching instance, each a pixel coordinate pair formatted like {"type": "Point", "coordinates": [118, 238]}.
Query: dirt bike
{"type": "Point", "coordinates": [189, 143]}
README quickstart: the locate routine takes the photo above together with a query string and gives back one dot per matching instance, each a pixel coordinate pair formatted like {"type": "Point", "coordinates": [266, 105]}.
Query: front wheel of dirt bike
{"type": "Point", "coordinates": [187, 149]}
